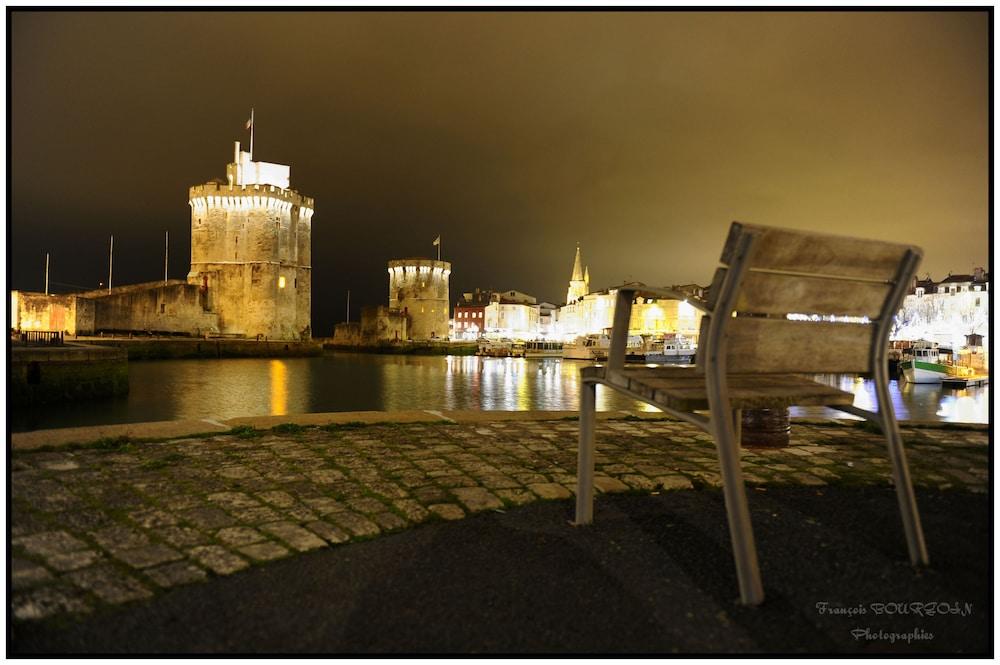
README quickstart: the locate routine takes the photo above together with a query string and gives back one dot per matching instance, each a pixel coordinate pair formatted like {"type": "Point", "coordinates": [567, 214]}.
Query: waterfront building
{"type": "Point", "coordinates": [470, 313]}
{"type": "Point", "coordinates": [592, 313]}
{"type": "Point", "coordinates": [250, 270]}
{"type": "Point", "coordinates": [947, 311]}
{"type": "Point", "coordinates": [512, 315]}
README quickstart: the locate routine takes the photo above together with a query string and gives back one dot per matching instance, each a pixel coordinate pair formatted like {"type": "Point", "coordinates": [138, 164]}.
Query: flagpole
{"type": "Point", "coordinates": [111, 261]}
{"type": "Point", "coordinates": [251, 133]}
{"type": "Point", "coordinates": [46, 273]}
{"type": "Point", "coordinates": [348, 305]}
{"type": "Point", "coordinates": [166, 254]}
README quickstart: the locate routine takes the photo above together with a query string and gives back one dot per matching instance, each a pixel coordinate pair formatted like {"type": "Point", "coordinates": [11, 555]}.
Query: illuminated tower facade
{"type": "Point", "coordinates": [251, 250]}
{"type": "Point", "coordinates": [419, 288]}
{"type": "Point", "coordinates": [579, 283]}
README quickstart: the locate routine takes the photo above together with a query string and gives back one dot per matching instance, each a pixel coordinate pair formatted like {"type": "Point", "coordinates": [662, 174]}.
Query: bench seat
{"type": "Point", "coordinates": [683, 388]}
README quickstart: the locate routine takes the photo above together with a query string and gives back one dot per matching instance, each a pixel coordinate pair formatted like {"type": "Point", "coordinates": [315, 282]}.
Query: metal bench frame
{"type": "Point", "coordinates": [725, 430]}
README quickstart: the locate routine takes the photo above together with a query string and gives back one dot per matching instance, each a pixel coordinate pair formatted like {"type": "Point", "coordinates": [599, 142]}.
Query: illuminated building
{"type": "Point", "coordinates": [593, 313]}
{"type": "Point", "coordinates": [946, 311]}
{"type": "Point", "coordinates": [418, 289]}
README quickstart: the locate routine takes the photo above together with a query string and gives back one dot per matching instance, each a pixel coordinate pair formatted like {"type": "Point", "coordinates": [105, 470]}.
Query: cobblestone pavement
{"type": "Point", "coordinates": [118, 520]}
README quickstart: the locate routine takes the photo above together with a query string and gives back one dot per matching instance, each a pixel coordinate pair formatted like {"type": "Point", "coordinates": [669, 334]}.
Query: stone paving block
{"type": "Point", "coordinates": [150, 555]}
{"type": "Point", "coordinates": [356, 524]}
{"type": "Point", "coordinates": [237, 536]}
{"type": "Point", "coordinates": [637, 481]}
{"type": "Point", "coordinates": [236, 472]}
{"type": "Point", "coordinates": [674, 482]}
{"type": "Point", "coordinates": [175, 574]}
{"type": "Point", "coordinates": [328, 532]}
{"type": "Point", "coordinates": [550, 490]}
{"type": "Point", "coordinates": [495, 482]}
{"type": "Point", "coordinates": [255, 515]}
{"type": "Point", "coordinates": [324, 505]}
{"type": "Point", "coordinates": [822, 472]}
{"type": "Point", "coordinates": [808, 479]}
{"type": "Point", "coordinates": [48, 601]}
{"type": "Point", "coordinates": [73, 560]}
{"type": "Point", "coordinates": [450, 482]}
{"type": "Point", "coordinates": [217, 559]}
{"type": "Point", "coordinates": [25, 574]}
{"type": "Point", "coordinates": [708, 478]}
{"type": "Point", "coordinates": [233, 500]}
{"type": "Point", "coordinates": [411, 510]}
{"type": "Point", "coordinates": [109, 584]}
{"type": "Point", "coordinates": [207, 517]}
{"type": "Point", "coordinates": [182, 536]}
{"type": "Point", "coordinates": [266, 551]}
{"type": "Point", "coordinates": [609, 485]}
{"type": "Point", "coordinates": [517, 497]}
{"type": "Point", "coordinates": [366, 505]}
{"type": "Point", "coordinates": [448, 511]}
{"type": "Point", "coordinates": [294, 535]}
{"type": "Point", "coordinates": [389, 521]}
{"type": "Point", "coordinates": [180, 502]}
{"type": "Point", "coordinates": [278, 498]}
{"type": "Point", "coordinates": [325, 476]}
{"type": "Point", "coordinates": [300, 514]}
{"type": "Point", "coordinates": [152, 517]}
{"type": "Point", "coordinates": [476, 499]}
{"type": "Point", "coordinates": [431, 494]}
{"type": "Point", "coordinates": [49, 542]}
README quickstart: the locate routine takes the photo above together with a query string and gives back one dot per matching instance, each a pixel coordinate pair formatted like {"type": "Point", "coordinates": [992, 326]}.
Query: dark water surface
{"type": "Point", "coordinates": [338, 381]}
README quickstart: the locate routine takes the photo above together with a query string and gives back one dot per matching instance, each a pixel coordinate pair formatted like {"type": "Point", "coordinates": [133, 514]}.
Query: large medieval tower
{"type": "Point", "coordinates": [251, 250]}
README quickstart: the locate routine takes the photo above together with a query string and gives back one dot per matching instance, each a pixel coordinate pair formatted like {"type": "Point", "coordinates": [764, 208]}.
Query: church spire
{"type": "Point", "coordinates": [577, 269]}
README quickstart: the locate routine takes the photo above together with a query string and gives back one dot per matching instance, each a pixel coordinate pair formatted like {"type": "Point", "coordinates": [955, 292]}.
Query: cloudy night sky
{"type": "Point", "coordinates": [512, 135]}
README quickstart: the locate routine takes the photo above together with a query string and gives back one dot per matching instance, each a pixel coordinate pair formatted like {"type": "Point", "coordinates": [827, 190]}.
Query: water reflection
{"type": "Point", "coordinates": [279, 387]}
{"type": "Point", "coordinates": [194, 389]}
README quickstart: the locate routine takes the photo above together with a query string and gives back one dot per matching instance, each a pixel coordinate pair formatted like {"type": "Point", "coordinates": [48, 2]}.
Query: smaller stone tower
{"type": "Point", "coordinates": [579, 283]}
{"type": "Point", "coordinates": [419, 289]}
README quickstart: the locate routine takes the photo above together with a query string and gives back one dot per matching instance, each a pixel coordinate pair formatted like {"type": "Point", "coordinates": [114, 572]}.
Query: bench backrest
{"type": "Point", "coordinates": [791, 272]}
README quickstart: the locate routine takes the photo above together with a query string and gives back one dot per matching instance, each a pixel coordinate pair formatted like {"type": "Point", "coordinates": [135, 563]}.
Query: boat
{"type": "Point", "coordinates": [925, 362]}
{"type": "Point", "coordinates": [589, 347]}
{"type": "Point", "coordinates": [543, 349]}
{"type": "Point", "coordinates": [500, 348]}
{"type": "Point", "coordinates": [675, 349]}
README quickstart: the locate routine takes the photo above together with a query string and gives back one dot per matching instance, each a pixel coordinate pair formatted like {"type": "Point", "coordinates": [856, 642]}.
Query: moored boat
{"type": "Point", "coordinates": [926, 363]}
{"type": "Point", "coordinates": [543, 349]}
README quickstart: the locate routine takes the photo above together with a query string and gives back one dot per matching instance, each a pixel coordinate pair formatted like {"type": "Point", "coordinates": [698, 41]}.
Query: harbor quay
{"type": "Point", "coordinates": [102, 517]}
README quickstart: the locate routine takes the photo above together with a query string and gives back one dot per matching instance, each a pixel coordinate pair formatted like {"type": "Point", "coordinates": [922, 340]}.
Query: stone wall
{"type": "Point", "coordinates": [419, 289]}
{"type": "Point", "coordinates": [38, 311]}
{"type": "Point", "coordinates": [69, 373]}
{"type": "Point", "coordinates": [383, 325]}
{"type": "Point", "coordinates": [174, 307]}
{"type": "Point", "coordinates": [347, 334]}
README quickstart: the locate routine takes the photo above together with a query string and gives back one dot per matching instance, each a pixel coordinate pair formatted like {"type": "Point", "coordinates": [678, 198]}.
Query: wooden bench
{"type": "Point", "coordinates": [753, 355]}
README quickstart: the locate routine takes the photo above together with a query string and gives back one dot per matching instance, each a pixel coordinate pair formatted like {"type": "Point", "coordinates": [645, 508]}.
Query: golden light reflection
{"type": "Point", "coordinates": [278, 371]}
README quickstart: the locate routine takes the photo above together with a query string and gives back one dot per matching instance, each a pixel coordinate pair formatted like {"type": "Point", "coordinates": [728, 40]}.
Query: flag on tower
{"type": "Point", "coordinates": [437, 241]}
{"type": "Point", "coordinates": [250, 121]}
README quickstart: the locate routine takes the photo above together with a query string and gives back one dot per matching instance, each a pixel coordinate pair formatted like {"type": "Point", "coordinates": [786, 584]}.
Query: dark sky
{"type": "Point", "coordinates": [513, 135]}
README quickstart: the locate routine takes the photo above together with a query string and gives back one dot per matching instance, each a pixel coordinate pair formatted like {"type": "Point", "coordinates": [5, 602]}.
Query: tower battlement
{"type": "Point", "coordinates": [245, 197]}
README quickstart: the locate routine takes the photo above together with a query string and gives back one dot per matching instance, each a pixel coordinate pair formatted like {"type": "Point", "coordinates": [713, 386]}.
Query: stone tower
{"type": "Point", "coordinates": [419, 288]}
{"type": "Point", "coordinates": [251, 250]}
{"type": "Point", "coordinates": [579, 283]}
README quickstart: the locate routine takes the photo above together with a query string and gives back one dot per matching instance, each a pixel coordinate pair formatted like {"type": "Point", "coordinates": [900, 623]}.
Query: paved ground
{"type": "Point", "coordinates": [96, 529]}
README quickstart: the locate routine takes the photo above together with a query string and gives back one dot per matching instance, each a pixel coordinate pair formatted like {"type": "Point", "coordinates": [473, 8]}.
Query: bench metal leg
{"type": "Point", "coordinates": [585, 459]}
{"type": "Point", "coordinates": [738, 513]}
{"type": "Point", "coordinates": [901, 478]}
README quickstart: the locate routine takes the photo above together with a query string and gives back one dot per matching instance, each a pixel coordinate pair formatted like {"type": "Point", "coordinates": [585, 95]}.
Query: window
{"type": "Point", "coordinates": [163, 307]}
{"type": "Point", "coordinates": [281, 282]}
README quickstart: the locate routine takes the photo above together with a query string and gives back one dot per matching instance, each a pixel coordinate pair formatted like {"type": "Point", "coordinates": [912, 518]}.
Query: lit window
{"type": "Point", "coordinates": [281, 282]}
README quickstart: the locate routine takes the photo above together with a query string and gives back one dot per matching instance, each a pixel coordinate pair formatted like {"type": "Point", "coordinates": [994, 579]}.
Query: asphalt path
{"type": "Point", "coordinates": [653, 574]}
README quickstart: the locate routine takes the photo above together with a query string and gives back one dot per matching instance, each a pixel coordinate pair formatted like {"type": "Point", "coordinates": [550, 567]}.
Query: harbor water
{"type": "Point", "coordinates": [340, 381]}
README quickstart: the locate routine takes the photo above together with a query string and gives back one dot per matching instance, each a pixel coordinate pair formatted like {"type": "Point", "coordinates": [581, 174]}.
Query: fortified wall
{"type": "Point", "coordinates": [419, 289]}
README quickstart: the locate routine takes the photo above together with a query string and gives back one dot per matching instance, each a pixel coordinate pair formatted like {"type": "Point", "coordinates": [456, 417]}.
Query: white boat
{"type": "Point", "coordinates": [590, 347]}
{"type": "Point", "coordinates": [924, 363]}
{"type": "Point", "coordinates": [500, 348]}
{"type": "Point", "coordinates": [675, 349]}
{"type": "Point", "coordinates": [543, 349]}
